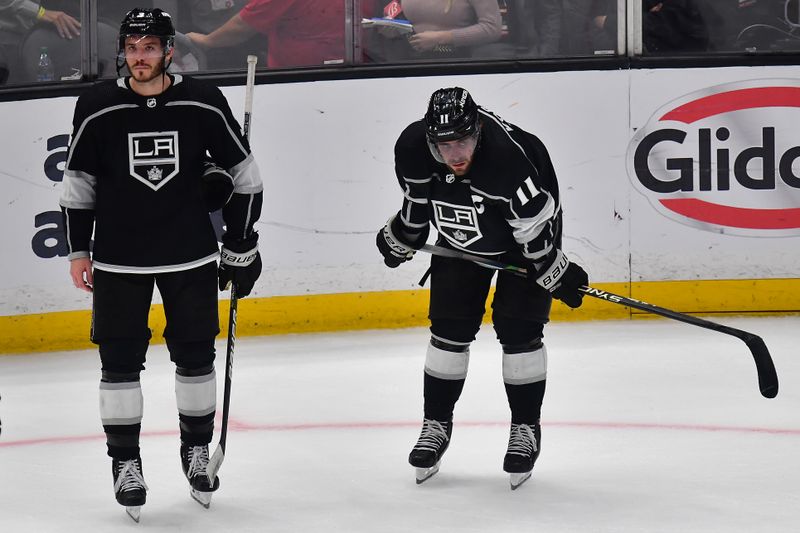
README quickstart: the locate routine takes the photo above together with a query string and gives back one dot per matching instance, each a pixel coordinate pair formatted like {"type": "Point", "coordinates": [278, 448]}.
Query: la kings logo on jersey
{"type": "Point", "coordinates": [153, 157]}
{"type": "Point", "coordinates": [458, 223]}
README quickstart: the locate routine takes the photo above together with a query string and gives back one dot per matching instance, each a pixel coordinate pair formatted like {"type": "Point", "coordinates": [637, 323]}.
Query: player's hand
{"type": "Point", "coordinates": [240, 264]}
{"type": "Point", "coordinates": [80, 270]}
{"type": "Point", "coordinates": [562, 278]}
{"type": "Point", "coordinates": [393, 249]}
{"type": "Point", "coordinates": [567, 289]}
{"type": "Point", "coordinates": [217, 185]}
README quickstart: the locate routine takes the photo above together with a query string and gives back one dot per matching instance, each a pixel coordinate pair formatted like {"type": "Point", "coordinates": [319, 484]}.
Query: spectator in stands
{"type": "Point", "coordinates": [670, 26]}
{"type": "Point", "coordinates": [17, 18]}
{"type": "Point", "coordinates": [299, 32]}
{"type": "Point", "coordinates": [205, 16]}
{"type": "Point", "coordinates": [588, 27]}
{"type": "Point", "coordinates": [753, 25]}
{"type": "Point", "coordinates": [4, 68]}
{"type": "Point", "coordinates": [535, 27]}
{"type": "Point", "coordinates": [453, 28]}
{"type": "Point", "coordinates": [208, 15]}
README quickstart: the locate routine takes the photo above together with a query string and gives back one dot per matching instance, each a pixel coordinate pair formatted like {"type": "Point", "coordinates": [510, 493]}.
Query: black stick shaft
{"type": "Point", "coordinates": [226, 402]}
{"type": "Point", "coordinates": [767, 376]}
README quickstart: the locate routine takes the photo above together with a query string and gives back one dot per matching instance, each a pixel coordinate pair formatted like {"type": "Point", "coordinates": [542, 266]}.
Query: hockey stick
{"type": "Point", "coordinates": [215, 462]}
{"type": "Point", "coordinates": [765, 368]}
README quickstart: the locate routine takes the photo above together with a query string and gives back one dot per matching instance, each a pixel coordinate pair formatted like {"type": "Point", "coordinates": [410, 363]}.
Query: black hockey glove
{"type": "Point", "coordinates": [562, 278]}
{"type": "Point", "coordinates": [240, 263]}
{"type": "Point", "coordinates": [394, 243]}
{"type": "Point", "coordinates": [217, 186]}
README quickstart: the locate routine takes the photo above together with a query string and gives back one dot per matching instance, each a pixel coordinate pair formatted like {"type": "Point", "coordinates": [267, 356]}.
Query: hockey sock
{"type": "Point", "coordinates": [121, 407]}
{"type": "Point", "coordinates": [525, 377]}
{"type": "Point", "coordinates": [196, 396]}
{"type": "Point", "coordinates": [525, 402]}
{"type": "Point", "coordinates": [446, 365]}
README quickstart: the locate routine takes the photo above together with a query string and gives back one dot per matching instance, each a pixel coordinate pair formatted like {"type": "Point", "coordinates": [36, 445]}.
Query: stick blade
{"type": "Point", "coordinates": [215, 463]}
{"type": "Point", "coordinates": [767, 376]}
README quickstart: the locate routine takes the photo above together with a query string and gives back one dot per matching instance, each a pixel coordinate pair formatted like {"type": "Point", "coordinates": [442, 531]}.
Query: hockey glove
{"type": "Point", "coordinates": [217, 186]}
{"type": "Point", "coordinates": [240, 263]}
{"type": "Point", "coordinates": [394, 243]}
{"type": "Point", "coordinates": [563, 279]}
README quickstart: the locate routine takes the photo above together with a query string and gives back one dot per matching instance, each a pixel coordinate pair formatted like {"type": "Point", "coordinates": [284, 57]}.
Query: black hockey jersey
{"type": "Point", "coordinates": [133, 175]}
{"type": "Point", "coordinates": [508, 201]}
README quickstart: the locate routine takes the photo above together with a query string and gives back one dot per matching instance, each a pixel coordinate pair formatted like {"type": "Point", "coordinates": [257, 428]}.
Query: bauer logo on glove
{"type": "Point", "coordinates": [232, 258]}
{"type": "Point", "coordinates": [549, 280]}
{"type": "Point", "coordinates": [240, 264]}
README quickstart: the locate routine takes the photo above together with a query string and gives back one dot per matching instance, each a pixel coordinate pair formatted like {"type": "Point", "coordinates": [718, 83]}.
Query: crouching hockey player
{"type": "Point", "coordinates": [488, 188]}
{"type": "Point", "coordinates": [151, 154]}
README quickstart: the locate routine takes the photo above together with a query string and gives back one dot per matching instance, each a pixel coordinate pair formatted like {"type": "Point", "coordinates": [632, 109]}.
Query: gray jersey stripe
{"type": "Point", "coordinates": [248, 216]}
{"type": "Point", "coordinates": [420, 181]}
{"type": "Point", "coordinates": [246, 177]}
{"type": "Point", "coordinates": [69, 236]}
{"type": "Point", "coordinates": [161, 269]}
{"type": "Point", "coordinates": [79, 190]}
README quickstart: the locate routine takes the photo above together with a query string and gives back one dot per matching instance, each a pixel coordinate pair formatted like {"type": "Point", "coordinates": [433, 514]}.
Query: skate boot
{"type": "Point", "coordinates": [524, 443]}
{"type": "Point", "coordinates": [431, 445]}
{"type": "Point", "coordinates": [194, 460]}
{"type": "Point", "coordinates": [129, 486]}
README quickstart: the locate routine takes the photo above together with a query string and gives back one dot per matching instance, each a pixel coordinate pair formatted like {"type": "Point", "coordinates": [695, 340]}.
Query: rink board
{"type": "Point", "coordinates": [686, 178]}
{"type": "Point", "coordinates": [69, 330]}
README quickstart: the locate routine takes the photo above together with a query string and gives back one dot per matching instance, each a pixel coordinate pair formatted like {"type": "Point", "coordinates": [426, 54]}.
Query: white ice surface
{"type": "Point", "coordinates": [648, 426]}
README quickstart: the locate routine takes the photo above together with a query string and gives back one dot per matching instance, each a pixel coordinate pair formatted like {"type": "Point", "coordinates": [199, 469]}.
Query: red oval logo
{"type": "Point", "coordinates": [725, 159]}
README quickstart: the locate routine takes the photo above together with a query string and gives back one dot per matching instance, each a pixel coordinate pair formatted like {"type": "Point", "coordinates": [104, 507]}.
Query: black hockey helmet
{"type": "Point", "coordinates": [451, 115]}
{"type": "Point", "coordinates": [141, 21]}
{"type": "Point", "coordinates": [146, 22]}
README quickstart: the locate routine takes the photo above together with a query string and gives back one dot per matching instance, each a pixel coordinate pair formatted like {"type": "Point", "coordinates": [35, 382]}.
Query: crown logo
{"type": "Point", "coordinates": [459, 235]}
{"type": "Point", "coordinates": [155, 174]}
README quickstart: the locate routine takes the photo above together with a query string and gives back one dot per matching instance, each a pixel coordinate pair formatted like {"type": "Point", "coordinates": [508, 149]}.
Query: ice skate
{"type": "Point", "coordinates": [129, 486]}
{"type": "Point", "coordinates": [194, 460]}
{"type": "Point", "coordinates": [523, 448]}
{"type": "Point", "coordinates": [431, 445]}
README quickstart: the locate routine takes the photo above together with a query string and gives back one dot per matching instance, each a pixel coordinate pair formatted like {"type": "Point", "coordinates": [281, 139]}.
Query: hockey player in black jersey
{"type": "Point", "coordinates": [151, 154]}
{"type": "Point", "coordinates": [488, 188]}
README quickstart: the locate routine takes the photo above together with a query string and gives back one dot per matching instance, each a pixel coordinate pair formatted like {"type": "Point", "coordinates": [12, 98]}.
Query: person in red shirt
{"type": "Point", "coordinates": [299, 32]}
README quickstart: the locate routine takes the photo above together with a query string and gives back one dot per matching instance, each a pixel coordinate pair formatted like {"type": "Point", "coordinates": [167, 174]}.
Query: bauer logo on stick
{"type": "Point", "coordinates": [153, 157]}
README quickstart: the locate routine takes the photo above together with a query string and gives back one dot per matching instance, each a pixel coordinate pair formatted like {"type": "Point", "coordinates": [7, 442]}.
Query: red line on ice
{"type": "Point", "coordinates": [237, 425]}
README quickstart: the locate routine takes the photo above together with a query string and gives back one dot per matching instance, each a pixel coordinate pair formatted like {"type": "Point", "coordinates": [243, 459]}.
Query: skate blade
{"type": "Point", "coordinates": [519, 479]}
{"type": "Point", "coordinates": [424, 474]}
{"type": "Point", "coordinates": [135, 512]}
{"type": "Point", "coordinates": [203, 498]}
